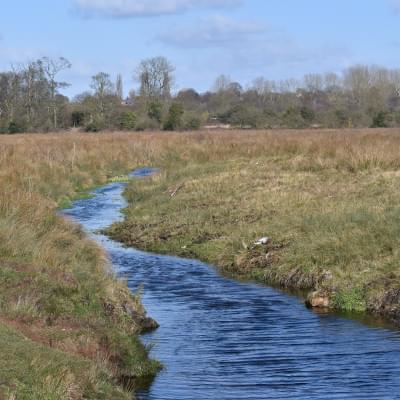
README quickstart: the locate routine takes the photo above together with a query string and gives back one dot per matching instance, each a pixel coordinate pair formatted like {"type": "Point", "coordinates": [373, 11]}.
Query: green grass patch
{"type": "Point", "coordinates": [31, 371]}
{"type": "Point", "coordinates": [327, 199]}
{"type": "Point", "coordinates": [121, 178]}
{"type": "Point", "coordinates": [331, 228]}
{"type": "Point", "coordinates": [352, 300]}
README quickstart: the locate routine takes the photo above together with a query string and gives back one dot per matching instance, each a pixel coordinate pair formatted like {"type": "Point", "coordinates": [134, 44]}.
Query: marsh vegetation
{"type": "Point", "coordinates": [328, 201]}
{"type": "Point", "coordinates": [68, 328]}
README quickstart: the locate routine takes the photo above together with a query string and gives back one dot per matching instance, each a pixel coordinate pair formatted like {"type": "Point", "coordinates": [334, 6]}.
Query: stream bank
{"type": "Point", "coordinates": [220, 338]}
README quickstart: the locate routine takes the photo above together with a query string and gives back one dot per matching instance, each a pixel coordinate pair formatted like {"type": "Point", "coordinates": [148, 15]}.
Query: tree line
{"type": "Point", "coordinates": [360, 96]}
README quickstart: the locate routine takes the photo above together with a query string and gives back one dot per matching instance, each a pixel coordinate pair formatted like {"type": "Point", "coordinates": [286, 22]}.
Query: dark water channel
{"type": "Point", "coordinates": [225, 340]}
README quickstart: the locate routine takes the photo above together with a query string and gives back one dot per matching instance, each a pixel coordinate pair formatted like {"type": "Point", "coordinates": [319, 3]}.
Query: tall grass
{"type": "Point", "coordinates": [328, 199]}
{"type": "Point", "coordinates": [56, 288]}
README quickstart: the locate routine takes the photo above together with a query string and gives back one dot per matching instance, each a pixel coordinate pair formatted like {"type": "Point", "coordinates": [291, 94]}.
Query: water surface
{"type": "Point", "coordinates": [225, 340]}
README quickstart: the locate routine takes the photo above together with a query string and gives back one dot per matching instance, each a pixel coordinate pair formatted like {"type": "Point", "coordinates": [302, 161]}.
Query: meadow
{"type": "Point", "coordinates": [328, 200]}
{"type": "Point", "coordinates": [68, 328]}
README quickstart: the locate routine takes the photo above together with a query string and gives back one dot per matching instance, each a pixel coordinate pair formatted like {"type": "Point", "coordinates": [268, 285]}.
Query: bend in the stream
{"type": "Point", "coordinates": [228, 340]}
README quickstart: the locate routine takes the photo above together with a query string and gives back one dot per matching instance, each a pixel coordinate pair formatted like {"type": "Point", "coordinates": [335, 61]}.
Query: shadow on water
{"type": "Point", "coordinates": [229, 340]}
{"type": "Point", "coordinates": [371, 320]}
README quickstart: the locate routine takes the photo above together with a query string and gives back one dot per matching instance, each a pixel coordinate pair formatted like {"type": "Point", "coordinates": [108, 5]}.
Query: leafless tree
{"type": "Point", "coordinates": [156, 78]}
{"type": "Point", "coordinates": [103, 88]}
{"type": "Point", "coordinates": [221, 84]}
{"type": "Point", "coordinates": [51, 68]}
{"type": "Point", "coordinates": [119, 88]}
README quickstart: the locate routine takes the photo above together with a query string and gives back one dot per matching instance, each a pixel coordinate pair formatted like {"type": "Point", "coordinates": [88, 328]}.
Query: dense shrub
{"type": "Point", "coordinates": [292, 118]}
{"type": "Point", "coordinates": [192, 122]}
{"type": "Point", "coordinates": [14, 127]}
{"type": "Point", "coordinates": [174, 118]}
{"type": "Point", "coordinates": [95, 126]}
{"type": "Point", "coordinates": [307, 114]}
{"type": "Point", "coordinates": [127, 120]}
{"type": "Point", "coordinates": [155, 111]}
{"type": "Point", "coordinates": [380, 120]}
{"type": "Point", "coordinates": [146, 123]}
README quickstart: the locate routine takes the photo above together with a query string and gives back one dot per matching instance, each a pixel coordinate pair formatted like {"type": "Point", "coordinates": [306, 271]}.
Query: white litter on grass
{"type": "Point", "coordinates": [263, 241]}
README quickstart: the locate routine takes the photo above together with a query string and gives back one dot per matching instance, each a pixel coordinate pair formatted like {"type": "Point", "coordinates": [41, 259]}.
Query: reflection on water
{"type": "Point", "coordinates": [226, 340]}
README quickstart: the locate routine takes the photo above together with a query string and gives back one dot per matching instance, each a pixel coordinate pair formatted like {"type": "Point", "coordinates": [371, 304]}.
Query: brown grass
{"type": "Point", "coordinates": [55, 285]}
{"type": "Point", "coordinates": [328, 199]}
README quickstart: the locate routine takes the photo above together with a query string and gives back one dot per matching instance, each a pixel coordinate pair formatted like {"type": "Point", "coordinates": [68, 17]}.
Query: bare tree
{"type": "Point", "coordinates": [119, 88]}
{"type": "Point", "coordinates": [10, 93]}
{"type": "Point", "coordinates": [31, 74]}
{"type": "Point", "coordinates": [314, 82]}
{"type": "Point", "coordinates": [102, 88]}
{"type": "Point", "coordinates": [51, 68]}
{"type": "Point", "coordinates": [156, 77]}
{"type": "Point", "coordinates": [266, 91]}
{"type": "Point", "coordinates": [357, 80]}
{"type": "Point", "coordinates": [104, 102]}
{"type": "Point", "coordinates": [221, 84]}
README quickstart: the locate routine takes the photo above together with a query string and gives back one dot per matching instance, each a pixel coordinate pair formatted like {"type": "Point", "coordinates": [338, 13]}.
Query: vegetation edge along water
{"type": "Point", "coordinates": [327, 201]}
{"type": "Point", "coordinates": [68, 328]}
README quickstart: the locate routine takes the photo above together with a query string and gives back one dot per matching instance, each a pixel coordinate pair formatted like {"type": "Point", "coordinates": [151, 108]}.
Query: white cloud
{"type": "Point", "coordinates": [249, 48]}
{"type": "Point", "coordinates": [212, 32]}
{"type": "Point", "coordinates": [141, 8]}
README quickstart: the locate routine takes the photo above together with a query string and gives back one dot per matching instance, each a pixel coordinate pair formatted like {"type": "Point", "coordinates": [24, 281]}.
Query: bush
{"type": "Point", "coordinates": [155, 111]}
{"type": "Point", "coordinates": [292, 118]}
{"type": "Point", "coordinates": [94, 126]}
{"type": "Point", "coordinates": [192, 123]}
{"type": "Point", "coordinates": [174, 118]}
{"type": "Point", "coordinates": [341, 118]}
{"type": "Point", "coordinates": [146, 123]}
{"type": "Point", "coordinates": [380, 120]}
{"type": "Point", "coordinates": [127, 120]}
{"type": "Point", "coordinates": [268, 119]}
{"type": "Point", "coordinates": [307, 114]}
{"type": "Point", "coordinates": [242, 116]}
{"type": "Point", "coordinates": [14, 127]}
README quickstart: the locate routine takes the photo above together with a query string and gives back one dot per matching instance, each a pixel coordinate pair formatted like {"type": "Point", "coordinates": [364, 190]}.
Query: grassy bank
{"type": "Point", "coordinates": [68, 328]}
{"type": "Point", "coordinates": [328, 200]}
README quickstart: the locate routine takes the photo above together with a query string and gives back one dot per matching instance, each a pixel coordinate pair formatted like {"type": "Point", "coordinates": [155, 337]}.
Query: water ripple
{"type": "Point", "coordinates": [226, 340]}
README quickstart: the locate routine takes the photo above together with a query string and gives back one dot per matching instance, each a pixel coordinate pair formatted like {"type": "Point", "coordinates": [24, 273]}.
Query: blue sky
{"type": "Point", "coordinates": [276, 39]}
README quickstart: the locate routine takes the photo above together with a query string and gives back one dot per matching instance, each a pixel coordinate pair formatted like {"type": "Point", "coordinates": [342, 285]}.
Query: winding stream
{"type": "Point", "coordinates": [225, 340]}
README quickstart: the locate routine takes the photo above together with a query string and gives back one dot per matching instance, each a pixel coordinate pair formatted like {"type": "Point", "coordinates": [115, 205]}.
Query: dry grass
{"type": "Point", "coordinates": [328, 199]}
{"type": "Point", "coordinates": [55, 285]}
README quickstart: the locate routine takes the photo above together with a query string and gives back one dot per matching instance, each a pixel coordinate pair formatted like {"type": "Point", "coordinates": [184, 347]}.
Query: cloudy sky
{"type": "Point", "coordinates": [277, 39]}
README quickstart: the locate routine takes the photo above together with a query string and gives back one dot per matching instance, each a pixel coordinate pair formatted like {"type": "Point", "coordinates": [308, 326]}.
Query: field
{"type": "Point", "coordinates": [328, 200]}
{"type": "Point", "coordinates": [68, 328]}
